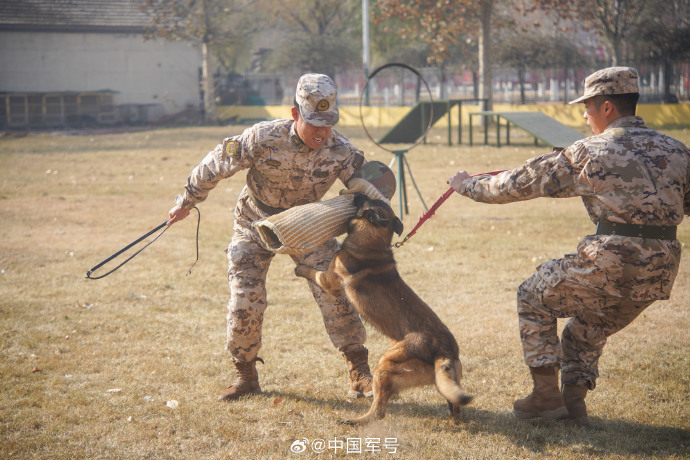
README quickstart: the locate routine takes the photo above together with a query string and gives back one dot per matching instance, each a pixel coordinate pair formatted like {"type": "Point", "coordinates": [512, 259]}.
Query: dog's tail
{"type": "Point", "coordinates": [448, 374]}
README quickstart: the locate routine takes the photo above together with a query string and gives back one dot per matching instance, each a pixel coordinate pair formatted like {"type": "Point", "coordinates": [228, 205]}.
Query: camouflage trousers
{"type": "Point", "coordinates": [248, 263]}
{"type": "Point", "coordinates": [593, 318]}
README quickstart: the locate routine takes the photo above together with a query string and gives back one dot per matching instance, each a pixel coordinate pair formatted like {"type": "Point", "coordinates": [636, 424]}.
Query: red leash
{"type": "Point", "coordinates": [427, 215]}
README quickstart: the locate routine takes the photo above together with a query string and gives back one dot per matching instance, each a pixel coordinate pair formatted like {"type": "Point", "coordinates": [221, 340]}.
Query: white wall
{"type": "Point", "coordinates": [142, 72]}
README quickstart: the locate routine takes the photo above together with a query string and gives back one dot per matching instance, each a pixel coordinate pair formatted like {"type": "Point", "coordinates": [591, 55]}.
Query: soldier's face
{"type": "Point", "coordinates": [596, 115]}
{"type": "Point", "coordinates": [313, 136]}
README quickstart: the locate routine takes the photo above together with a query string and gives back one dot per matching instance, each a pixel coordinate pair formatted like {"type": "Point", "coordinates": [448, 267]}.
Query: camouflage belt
{"type": "Point", "coordinates": [270, 210]}
{"type": "Point", "coordinates": [665, 232]}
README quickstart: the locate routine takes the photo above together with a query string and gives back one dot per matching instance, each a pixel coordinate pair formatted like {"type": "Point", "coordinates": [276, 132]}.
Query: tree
{"type": "Point", "coordinates": [665, 39]}
{"type": "Point", "coordinates": [320, 35]}
{"type": "Point", "coordinates": [485, 75]}
{"type": "Point", "coordinates": [525, 51]}
{"type": "Point", "coordinates": [208, 23]}
{"type": "Point", "coordinates": [617, 21]}
{"type": "Point", "coordinates": [442, 25]}
{"type": "Point", "coordinates": [387, 45]}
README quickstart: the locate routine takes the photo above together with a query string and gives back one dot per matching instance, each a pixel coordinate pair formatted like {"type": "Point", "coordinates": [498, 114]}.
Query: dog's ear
{"type": "Point", "coordinates": [397, 226]}
{"type": "Point", "coordinates": [360, 199]}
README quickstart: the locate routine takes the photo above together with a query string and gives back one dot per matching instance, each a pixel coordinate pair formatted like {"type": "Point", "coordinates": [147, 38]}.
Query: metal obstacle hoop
{"type": "Point", "coordinates": [426, 85]}
{"type": "Point", "coordinates": [400, 154]}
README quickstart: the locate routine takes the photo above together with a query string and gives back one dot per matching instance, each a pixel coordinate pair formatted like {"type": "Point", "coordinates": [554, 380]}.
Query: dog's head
{"type": "Point", "coordinates": [376, 216]}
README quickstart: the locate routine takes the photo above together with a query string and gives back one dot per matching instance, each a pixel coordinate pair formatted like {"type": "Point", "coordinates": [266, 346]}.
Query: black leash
{"type": "Point", "coordinates": [139, 240]}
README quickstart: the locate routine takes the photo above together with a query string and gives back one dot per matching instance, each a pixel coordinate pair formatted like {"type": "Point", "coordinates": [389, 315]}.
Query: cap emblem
{"type": "Point", "coordinates": [322, 105]}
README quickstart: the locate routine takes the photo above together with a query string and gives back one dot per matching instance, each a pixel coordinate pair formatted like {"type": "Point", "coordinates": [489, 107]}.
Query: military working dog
{"type": "Point", "coordinates": [423, 350]}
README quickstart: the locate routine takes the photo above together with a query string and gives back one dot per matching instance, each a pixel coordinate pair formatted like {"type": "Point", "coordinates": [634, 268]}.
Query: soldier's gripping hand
{"type": "Point", "coordinates": [177, 213]}
{"type": "Point", "coordinates": [457, 182]}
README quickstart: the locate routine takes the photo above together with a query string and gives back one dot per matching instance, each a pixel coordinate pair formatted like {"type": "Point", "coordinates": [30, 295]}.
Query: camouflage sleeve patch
{"type": "Point", "coordinates": [232, 148]}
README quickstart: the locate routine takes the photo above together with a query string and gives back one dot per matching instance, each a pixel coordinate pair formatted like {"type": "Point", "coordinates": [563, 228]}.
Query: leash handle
{"type": "Point", "coordinates": [133, 243]}
{"type": "Point", "coordinates": [427, 215]}
{"type": "Point", "coordinates": [139, 240]}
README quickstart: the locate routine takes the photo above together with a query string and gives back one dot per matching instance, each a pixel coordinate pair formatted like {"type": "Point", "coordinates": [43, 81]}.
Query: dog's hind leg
{"type": "Point", "coordinates": [447, 376]}
{"type": "Point", "coordinates": [395, 372]}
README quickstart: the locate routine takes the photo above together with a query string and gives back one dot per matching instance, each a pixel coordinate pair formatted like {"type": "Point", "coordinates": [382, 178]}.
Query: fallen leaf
{"type": "Point", "coordinates": [35, 369]}
{"type": "Point", "coordinates": [277, 401]}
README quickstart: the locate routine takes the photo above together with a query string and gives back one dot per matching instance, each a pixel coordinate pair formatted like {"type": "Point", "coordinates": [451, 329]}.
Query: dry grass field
{"type": "Point", "coordinates": [89, 369]}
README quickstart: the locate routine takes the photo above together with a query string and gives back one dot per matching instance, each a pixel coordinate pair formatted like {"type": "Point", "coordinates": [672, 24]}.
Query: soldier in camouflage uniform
{"type": "Point", "coordinates": [635, 185]}
{"type": "Point", "coordinates": [290, 162]}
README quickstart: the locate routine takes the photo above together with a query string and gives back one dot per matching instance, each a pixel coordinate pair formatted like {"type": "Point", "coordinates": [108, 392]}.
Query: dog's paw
{"type": "Point", "coordinates": [360, 421]}
{"type": "Point", "coordinates": [356, 422]}
{"type": "Point", "coordinates": [455, 411]}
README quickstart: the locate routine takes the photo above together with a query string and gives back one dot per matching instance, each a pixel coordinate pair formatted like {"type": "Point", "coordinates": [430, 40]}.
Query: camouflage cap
{"type": "Point", "coordinates": [316, 99]}
{"type": "Point", "coordinates": [380, 176]}
{"type": "Point", "coordinates": [612, 80]}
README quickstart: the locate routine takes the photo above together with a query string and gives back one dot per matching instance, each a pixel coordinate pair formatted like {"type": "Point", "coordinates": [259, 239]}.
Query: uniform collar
{"type": "Point", "coordinates": [297, 142]}
{"type": "Point", "coordinates": [627, 122]}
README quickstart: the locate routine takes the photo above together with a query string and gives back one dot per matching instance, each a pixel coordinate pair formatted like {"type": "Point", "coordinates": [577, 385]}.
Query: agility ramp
{"type": "Point", "coordinates": [415, 123]}
{"type": "Point", "coordinates": [537, 124]}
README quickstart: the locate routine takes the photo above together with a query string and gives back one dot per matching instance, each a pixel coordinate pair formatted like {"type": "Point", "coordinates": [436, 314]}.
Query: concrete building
{"type": "Point", "coordinates": [67, 61]}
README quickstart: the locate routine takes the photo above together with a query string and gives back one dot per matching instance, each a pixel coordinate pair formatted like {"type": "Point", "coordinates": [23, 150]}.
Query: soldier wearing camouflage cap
{"type": "Point", "coordinates": [315, 98]}
{"type": "Point", "coordinates": [289, 162]}
{"type": "Point", "coordinates": [612, 80]}
{"type": "Point", "coordinates": [635, 185]}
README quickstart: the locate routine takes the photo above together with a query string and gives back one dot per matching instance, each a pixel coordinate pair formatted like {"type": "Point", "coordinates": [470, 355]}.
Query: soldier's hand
{"type": "Point", "coordinates": [457, 182]}
{"type": "Point", "coordinates": [176, 214]}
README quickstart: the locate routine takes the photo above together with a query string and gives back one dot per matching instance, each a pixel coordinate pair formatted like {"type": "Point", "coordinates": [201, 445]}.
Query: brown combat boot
{"type": "Point", "coordinates": [247, 382]}
{"type": "Point", "coordinates": [357, 358]}
{"type": "Point", "coordinates": [546, 400]}
{"type": "Point", "coordinates": [574, 398]}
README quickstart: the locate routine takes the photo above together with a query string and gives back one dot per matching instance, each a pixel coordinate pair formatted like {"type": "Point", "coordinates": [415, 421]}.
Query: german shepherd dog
{"type": "Point", "coordinates": [423, 351]}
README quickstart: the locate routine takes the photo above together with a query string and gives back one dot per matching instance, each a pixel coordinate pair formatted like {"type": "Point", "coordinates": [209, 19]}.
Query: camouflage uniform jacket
{"type": "Point", "coordinates": [627, 174]}
{"type": "Point", "coordinates": [283, 171]}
